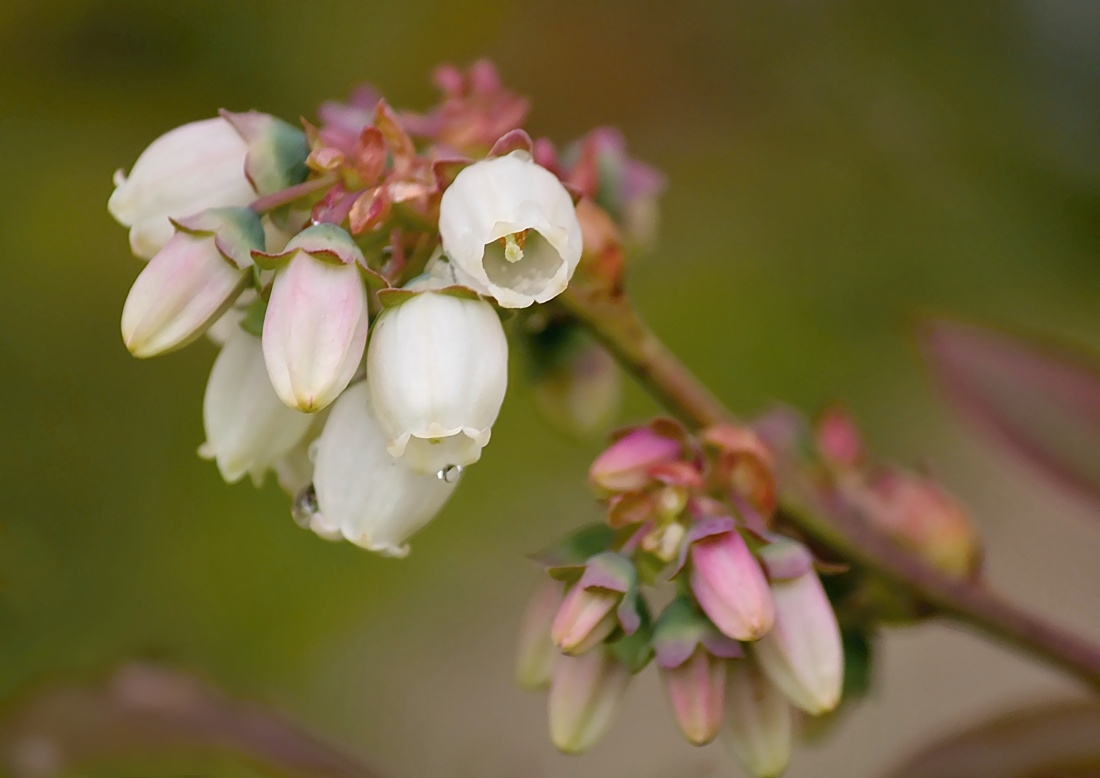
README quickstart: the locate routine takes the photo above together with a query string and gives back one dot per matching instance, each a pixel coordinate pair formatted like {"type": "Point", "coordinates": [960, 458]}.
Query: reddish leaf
{"type": "Point", "coordinates": [1035, 400]}
{"type": "Point", "coordinates": [1056, 740]}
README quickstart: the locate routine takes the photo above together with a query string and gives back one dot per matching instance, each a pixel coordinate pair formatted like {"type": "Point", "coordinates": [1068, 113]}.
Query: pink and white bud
{"type": "Point", "coordinates": [247, 428]}
{"type": "Point", "coordinates": [190, 282]}
{"type": "Point", "coordinates": [802, 654]}
{"type": "Point", "coordinates": [625, 465]}
{"type": "Point", "coordinates": [511, 229]}
{"type": "Point", "coordinates": [758, 731]}
{"type": "Point", "coordinates": [316, 324]}
{"type": "Point", "coordinates": [727, 580]}
{"type": "Point", "coordinates": [437, 367]}
{"type": "Point", "coordinates": [362, 492]}
{"type": "Point", "coordinates": [585, 693]}
{"type": "Point", "coordinates": [537, 653]}
{"type": "Point", "coordinates": [603, 598]}
{"type": "Point", "coordinates": [586, 617]}
{"type": "Point", "coordinates": [191, 168]}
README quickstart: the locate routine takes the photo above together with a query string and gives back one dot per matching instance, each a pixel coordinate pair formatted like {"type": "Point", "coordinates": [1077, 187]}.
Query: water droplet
{"type": "Point", "coordinates": [450, 473]}
{"type": "Point", "coordinates": [304, 507]}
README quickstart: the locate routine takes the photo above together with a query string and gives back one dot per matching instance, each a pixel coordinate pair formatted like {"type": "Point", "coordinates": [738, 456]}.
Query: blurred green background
{"type": "Point", "coordinates": [835, 170]}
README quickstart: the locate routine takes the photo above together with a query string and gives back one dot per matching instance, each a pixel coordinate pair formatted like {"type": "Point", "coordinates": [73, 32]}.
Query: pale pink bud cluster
{"type": "Point", "coordinates": [750, 634]}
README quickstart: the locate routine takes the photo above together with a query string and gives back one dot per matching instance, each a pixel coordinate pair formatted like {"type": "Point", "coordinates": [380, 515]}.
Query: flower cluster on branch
{"type": "Point", "coordinates": [355, 274]}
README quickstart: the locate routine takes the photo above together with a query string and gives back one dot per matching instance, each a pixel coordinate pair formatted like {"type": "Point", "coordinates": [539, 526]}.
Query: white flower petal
{"type": "Point", "coordinates": [191, 168]}
{"type": "Point", "coordinates": [361, 490]}
{"type": "Point", "coordinates": [247, 427]}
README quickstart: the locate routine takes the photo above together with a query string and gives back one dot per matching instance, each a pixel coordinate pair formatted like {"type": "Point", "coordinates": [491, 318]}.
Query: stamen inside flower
{"type": "Point", "coordinates": [513, 245]}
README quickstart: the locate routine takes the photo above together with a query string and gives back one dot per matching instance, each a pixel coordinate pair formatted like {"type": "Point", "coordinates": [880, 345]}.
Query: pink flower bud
{"type": "Point", "coordinates": [604, 597]}
{"type": "Point", "coordinates": [802, 654]}
{"type": "Point", "coordinates": [584, 697]}
{"type": "Point", "coordinates": [692, 656]}
{"type": "Point", "coordinates": [315, 329]}
{"type": "Point", "coordinates": [624, 465]}
{"type": "Point", "coordinates": [727, 580]}
{"type": "Point", "coordinates": [191, 281]}
{"type": "Point", "coordinates": [537, 653]}
{"type": "Point", "coordinates": [759, 721]}
{"type": "Point", "coordinates": [696, 689]}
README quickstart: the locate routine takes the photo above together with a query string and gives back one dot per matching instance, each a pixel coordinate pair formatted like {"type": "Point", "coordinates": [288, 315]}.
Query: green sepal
{"type": "Point", "coordinates": [572, 551]}
{"type": "Point", "coordinates": [277, 151]}
{"type": "Point", "coordinates": [238, 232]}
{"type": "Point", "coordinates": [253, 320]}
{"type": "Point", "coordinates": [391, 298]}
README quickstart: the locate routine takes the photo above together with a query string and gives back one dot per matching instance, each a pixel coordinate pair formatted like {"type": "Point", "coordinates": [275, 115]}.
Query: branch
{"type": "Point", "coordinates": [615, 323]}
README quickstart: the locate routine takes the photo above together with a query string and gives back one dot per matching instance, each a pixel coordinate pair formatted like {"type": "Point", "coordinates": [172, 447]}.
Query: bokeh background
{"type": "Point", "coordinates": [836, 169]}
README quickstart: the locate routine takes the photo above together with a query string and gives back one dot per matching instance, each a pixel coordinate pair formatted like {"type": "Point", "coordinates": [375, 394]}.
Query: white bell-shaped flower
{"type": "Point", "coordinates": [363, 493]}
{"type": "Point", "coordinates": [188, 169]}
{"type": "Point", "coordinates": [248, 428]}
{"type": "Point", "coordinates": [511, 229]}
{"type": "Point", "coordinates": [437, 368]}
{"type": "Point", "coordinates": [316, 324]}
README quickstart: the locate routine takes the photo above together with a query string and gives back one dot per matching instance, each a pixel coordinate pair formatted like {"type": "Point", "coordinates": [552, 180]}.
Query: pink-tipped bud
{"type": "Point", "coordinates": [315, 328]}
{"type": "Point", "coordinates": [692, 656]}
{"type": "Point", "coordinates": [190, 282]}
{"type": "Point", "coordinates": [758, 731]}
{"type": "Point", "coordinates": [603, 598]}
{"type": "Point", "coordinates": [624, 466]}
{"type": "Point", "coordinates": [802, 654]}
{"type": "Point", "coordinates": [586, 617]}
{"type": "Point", "coordinates": [727, 580]}
{"type": "Point", "coordinates": [584, 697]}
{"type": "Point", "coordinates": [537, 653]}
{"type": "Point", "coordinates": [696, 690]}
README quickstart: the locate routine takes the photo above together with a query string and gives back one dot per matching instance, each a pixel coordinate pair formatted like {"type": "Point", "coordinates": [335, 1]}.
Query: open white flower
{"type": "Point", "coordinates": [248, 428]}
{"type": "Point", "coordinates": [511, 229]}
{"type": "Point", "coordinates": [364, 494]}
{"type": "Point", "coordinates": [437, 368]}
{"type": "Point", "coordinates": [191, 168]}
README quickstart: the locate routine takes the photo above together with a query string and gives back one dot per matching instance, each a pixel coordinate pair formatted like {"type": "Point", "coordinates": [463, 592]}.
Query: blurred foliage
{"type": "Point", "coordinates": [834, 168]}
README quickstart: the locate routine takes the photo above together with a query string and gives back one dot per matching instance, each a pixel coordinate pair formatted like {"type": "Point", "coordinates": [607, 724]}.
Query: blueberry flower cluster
{"type": "Point", "coordinates": [352, 273]}
{"type": "Point", "coordinates": [749, 636]}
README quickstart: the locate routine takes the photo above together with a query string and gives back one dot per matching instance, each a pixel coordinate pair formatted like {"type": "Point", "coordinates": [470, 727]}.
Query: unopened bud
{"type": "Point", "coordinates": [692, 656]}
{"type": "Point", "coordinates": [802, 654]}
{"type": "Point", "coordinates": [603, 598]}
{"type": "Point", "coordinates": [624, 466]}
{"type": "Point", "coordinates": [537, 653]}
{"type": "Point", "coordinates": [190, 282]}
{"type": "Point", "coordinates": [585, 693]}
{"type": "Point", "coordinates": [727, 580]}
{"type": "Point", "coordinates": [758, 717]}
